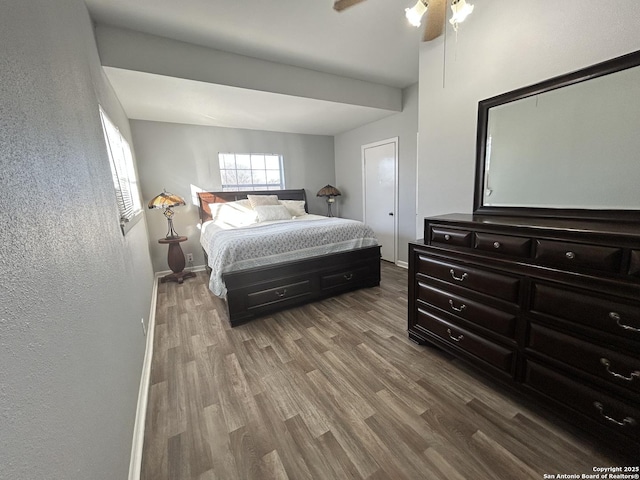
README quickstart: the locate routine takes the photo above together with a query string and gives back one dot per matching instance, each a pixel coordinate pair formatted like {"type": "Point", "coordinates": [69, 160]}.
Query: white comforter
{"type": "Point", "coordinates": [266, 243]}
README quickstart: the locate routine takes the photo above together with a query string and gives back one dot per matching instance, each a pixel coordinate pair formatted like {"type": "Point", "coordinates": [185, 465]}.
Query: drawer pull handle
{"type": "Point", "coordinates": [626, 421]}
{"type": "Point", "coordinates": [281, 293]}
{"type": "Point", "coordinates": [447, 237]}
{"type": "Point", "coordinates": [348, 276]}
{"type": "Point", "coordinates": [607, 365]}
{"type": "Point", "coordinates": [570, 255]}
{"type": "Point", "coordinates": [496, 245]}
{"type": "Point", "coordinates": [457, 309]}
{"type": "Point", "coordinates": [616, 316]}
{"type": "Point", "coordinates": [455, 339]}
{"type": "Point", "coordinates": [460, 278]}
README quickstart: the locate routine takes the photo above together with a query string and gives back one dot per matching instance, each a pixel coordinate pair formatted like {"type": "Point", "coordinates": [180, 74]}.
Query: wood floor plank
{"type": "Point", "coordinates": [154, 459]}
{"type": "Point", "coordinates": [247, 458]}
{"type": "Point", "coordinates": [197, 437]}
{"type": "Point", "coordinates": [224, 463]}
{"type": "Point", "coordinates": [313, 457]}
{"type": "Point", "coordinates": [448, 471]}
{"type": "Point", "coordinates": [292, 461]}
{"type": "Point", "coordinates": [346, 430]}
{"type": "Point", "coordinates": [333, 390]}
{"type": "Point", "coordinates": [341, 465]}
{"type": "Point", "coordinates": [504, 463]}
{"type": "Point", "coordinates": [404, 462]}
{"type": "Point", "coordinates": [272, 467]}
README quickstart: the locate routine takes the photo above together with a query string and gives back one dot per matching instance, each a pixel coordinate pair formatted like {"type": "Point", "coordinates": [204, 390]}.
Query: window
{"type": "Point", "coordinates": [251, 171]}
{"type": "Point", "coordinates": [123, 172]}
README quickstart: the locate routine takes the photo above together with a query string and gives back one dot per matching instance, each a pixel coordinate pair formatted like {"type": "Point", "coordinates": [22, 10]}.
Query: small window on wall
{"type": "Point", "coordinates": [251, 171]}
{"type": "Point", "coordinates": [123, 173]}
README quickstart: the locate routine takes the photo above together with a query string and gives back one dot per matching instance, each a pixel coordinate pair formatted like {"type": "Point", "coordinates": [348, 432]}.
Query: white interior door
{"type": "Point", "coordinates": [380, 174]}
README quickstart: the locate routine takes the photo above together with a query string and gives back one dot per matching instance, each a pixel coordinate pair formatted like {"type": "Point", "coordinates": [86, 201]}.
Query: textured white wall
{"type": "Point", "coordinates": [348, 154]}
{"type": "Point", "coordinates": [502, 46]}
{"type": "Point", "coordinates": [73, 289]}
{"type": "Point", "coordinates": [176, 156]}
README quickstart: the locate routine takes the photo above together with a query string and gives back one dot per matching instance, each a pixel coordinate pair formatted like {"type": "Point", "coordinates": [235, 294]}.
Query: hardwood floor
{"type": "Point", "coordinates": [333, 390]}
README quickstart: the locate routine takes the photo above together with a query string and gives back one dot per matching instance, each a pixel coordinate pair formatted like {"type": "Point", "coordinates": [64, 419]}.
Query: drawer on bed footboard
{"type": "Point", "coordinates": [352, 276]}
{"type": "Point", "coordinates": [279, 294]}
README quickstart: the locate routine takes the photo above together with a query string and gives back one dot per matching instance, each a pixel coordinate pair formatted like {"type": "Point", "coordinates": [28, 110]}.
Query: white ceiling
{"type": "Point", "coordinates": [371, 41]}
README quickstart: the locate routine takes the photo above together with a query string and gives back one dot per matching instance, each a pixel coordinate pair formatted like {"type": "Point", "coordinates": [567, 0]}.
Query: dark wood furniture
{"type": "Point", "coordinates": [257, 291]}
{"type": "Point", "coordinates": [175, 259]}
{"type": "Point", "coordinates": [550, 306]}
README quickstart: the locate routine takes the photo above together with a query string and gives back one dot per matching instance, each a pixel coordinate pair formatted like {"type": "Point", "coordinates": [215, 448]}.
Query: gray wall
{"type": "Point", "coordinates": [349, 166]}
{"type": "Point", "coordinates": [502, 46]}
{"type": "Point", "coordinates": [177, 157]}
{"type": "Point", "coordinates": [73, 290]}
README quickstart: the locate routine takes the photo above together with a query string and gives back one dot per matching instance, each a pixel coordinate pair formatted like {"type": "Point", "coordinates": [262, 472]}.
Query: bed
{"type": "Point", "coordinates": [310, 269]}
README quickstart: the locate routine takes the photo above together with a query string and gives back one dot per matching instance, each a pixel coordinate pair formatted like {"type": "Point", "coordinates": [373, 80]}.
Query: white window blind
{"type": "Point", "coordinates": [123, 172]}
{"type": "Point", "coordinates": [251, 171]}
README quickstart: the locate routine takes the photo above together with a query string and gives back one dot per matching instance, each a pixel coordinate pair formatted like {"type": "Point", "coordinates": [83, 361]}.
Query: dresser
{"type": "Point", "coordinates": [548, 306]}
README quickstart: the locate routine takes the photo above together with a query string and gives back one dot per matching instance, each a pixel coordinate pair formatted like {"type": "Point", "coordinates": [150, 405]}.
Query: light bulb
{"type": "Point", "coordinates": [461, 10]}
{"type": "Point", "coordinates": [415, 13]}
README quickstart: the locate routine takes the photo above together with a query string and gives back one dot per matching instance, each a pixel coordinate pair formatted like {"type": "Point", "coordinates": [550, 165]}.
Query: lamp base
{"type": "Point", "coordinates": [329, 212]}
{"type": "Point", "coordinates": [177, 277]}
{"type": "Point", "coordinates": [175, 259]}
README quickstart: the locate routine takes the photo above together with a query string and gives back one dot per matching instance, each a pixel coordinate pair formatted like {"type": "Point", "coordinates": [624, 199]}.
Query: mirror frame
{"type": "Point", "coordinates": [617, 64]}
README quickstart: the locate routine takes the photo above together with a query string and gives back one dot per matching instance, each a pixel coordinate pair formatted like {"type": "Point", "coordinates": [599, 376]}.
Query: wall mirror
{"type": "Point", "coordinates": [567, 147]}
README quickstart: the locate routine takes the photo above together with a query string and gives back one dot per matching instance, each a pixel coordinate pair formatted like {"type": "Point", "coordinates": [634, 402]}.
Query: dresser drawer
{"type": "Point", "coordinates": [578, 255]}
{"type": "Point", "coordinates": [477, 279]}
{"type": "Point", "coordinates": [614, 367]}
{"type": "Point", "coordinates": [597, 405]}
{"type": "Point", "coordinates": [492, 353]}
{"type": "Point", "coordinates": [603, 314]}
{"type": "Point", "coordinates": [345, 277]}
{"type": "Point", "coordinates": [504, 244]}
{"type": "Point", "coordinates": [490, 318]}
{"type": "Point", "coordinates": [634, 264]}
{"type": "Point", "coordinates": [279, 294]}
{"type": "Point", "coordinates": [458, 238]}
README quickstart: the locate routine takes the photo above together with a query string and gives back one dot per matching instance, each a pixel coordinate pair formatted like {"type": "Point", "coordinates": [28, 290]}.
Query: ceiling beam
{"type": "Point", "coordinates": [130, 50]}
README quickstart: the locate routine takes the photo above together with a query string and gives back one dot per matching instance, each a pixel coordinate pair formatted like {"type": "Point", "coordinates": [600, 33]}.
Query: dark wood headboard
{"type": "Point", "coordinates": [205, 198]}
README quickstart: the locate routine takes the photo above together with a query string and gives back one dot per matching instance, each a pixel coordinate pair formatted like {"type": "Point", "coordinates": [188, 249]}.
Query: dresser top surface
{"type": "Point", "coordinates": [625, 228]}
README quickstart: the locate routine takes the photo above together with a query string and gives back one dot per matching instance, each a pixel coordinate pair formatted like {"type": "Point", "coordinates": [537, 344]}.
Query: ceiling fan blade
{"type": "Point", "coordinates": [340, 5]}
{"type": "Point", "coordinates": [435, 19]}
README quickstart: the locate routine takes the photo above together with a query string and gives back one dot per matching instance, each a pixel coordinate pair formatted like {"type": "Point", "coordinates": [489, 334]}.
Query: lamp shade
{"type": "Point", "coordinates": [166, 200]}
{"type": "Point", "coordinates": [328, 191]}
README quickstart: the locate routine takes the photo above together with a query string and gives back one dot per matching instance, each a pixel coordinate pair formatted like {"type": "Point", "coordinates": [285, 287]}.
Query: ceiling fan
{"type": "Point", "coordinates": [435, 9]}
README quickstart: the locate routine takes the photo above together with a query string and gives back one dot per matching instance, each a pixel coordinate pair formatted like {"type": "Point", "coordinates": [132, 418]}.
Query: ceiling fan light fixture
{"type": "Point", "coordinates": [415, 13]}
{"type": "Point", "coordinates": [461, 10]}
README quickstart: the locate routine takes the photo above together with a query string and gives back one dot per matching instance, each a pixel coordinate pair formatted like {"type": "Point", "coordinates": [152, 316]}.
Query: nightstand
{"type": "Point", "coordinates": [176, 261]}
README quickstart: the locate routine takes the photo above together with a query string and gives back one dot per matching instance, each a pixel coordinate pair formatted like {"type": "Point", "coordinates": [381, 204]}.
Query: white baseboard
{"type": "Point", "coordinates": [135, 462]}
{"type": "Point", "coordinates": [402, 264]}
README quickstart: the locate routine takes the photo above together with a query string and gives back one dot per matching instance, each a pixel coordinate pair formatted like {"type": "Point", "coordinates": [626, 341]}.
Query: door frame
{"type": "Point", "coordinates": [395, 141]}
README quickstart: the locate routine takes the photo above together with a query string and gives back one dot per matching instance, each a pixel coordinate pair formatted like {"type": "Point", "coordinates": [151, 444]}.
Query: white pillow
{"type": "Point", "coordinates": [244, 203]}
{"type": "Point", "coordinates": [256, 200]}
{"type": "Point", "coordinates": [268, 213]}
{"type": "Point", "coordinates": [295, 207]}
{"type": "Point", "coordinates": [232, 214]}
